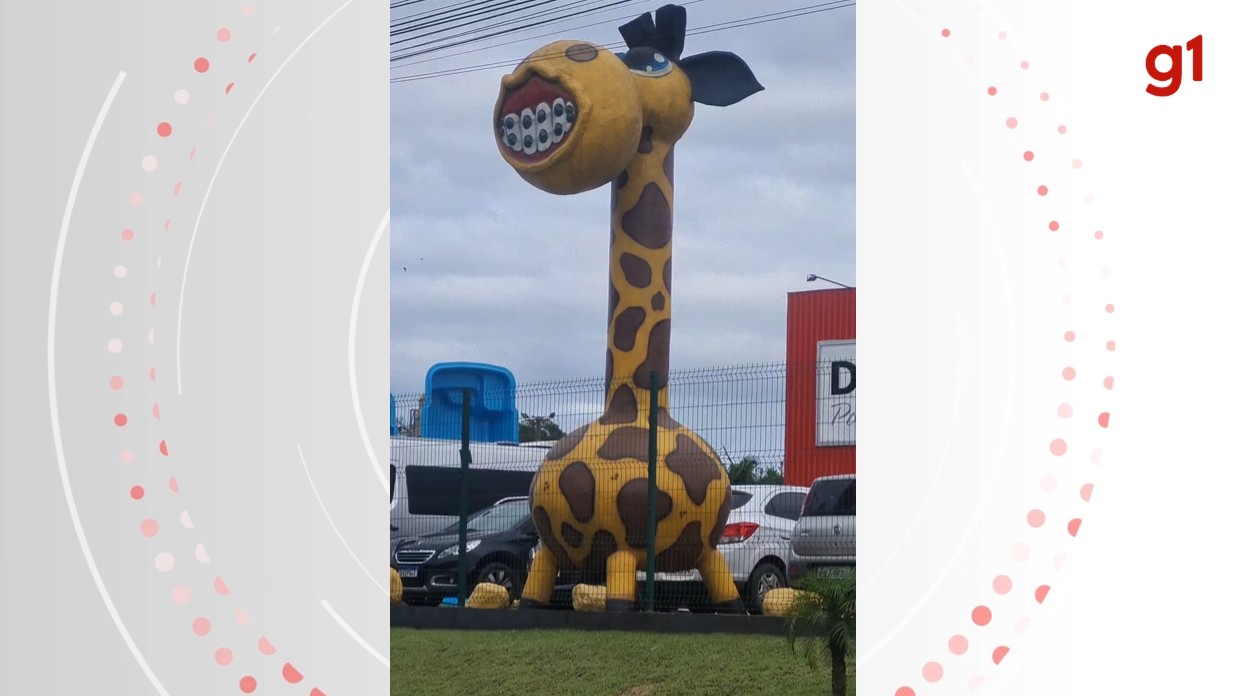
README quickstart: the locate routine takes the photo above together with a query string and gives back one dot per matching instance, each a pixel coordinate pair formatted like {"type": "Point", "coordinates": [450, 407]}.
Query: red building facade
{"type": "Point", "coordinates": [820, 379]}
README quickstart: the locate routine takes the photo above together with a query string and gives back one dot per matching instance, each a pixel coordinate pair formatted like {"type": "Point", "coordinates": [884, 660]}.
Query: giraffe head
{"type": "Point", "coordinates": [570, 117]}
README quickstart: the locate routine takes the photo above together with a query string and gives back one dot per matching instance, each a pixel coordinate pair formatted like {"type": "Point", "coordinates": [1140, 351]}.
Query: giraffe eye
{"type": "Point", "coordinates": [646, 62]}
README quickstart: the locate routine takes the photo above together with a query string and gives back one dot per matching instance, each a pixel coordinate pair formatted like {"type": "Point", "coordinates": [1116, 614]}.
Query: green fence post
{"type": "Point", "coordinates": [652, 454]}
{"type": "Point", "coordinates": [465, 498]}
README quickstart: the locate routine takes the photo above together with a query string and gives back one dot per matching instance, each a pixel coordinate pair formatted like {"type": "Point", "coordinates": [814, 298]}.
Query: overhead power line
{"type": "Point", "coordinates": [437, 12]}
{"type": "Point", "coordinates": [465, 19]}
{"type": "Point", "coordinates": [708, 29]}
{"type": "Point", "coordinates": [610, 20]}
{"type": "Point", "coordinates": [512, 27]}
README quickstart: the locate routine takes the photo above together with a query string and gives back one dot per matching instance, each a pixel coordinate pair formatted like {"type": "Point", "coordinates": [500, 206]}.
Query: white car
{"type": "Point", "coordinates": [755, 542]}
{"type": "Point", "coordinates": [756, 539]}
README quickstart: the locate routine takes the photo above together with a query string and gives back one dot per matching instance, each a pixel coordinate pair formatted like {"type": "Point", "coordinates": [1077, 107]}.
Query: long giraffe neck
{"type": "Point", "coordinates": [640, 271]}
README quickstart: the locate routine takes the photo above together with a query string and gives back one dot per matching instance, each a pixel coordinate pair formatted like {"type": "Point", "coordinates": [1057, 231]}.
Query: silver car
{"type": "Point", "coordinates": [825, 537]}
{"type": "Point", "coordinates": [755, 542]}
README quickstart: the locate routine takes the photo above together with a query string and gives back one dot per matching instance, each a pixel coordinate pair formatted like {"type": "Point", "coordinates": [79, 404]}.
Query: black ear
{"type": "Point", "coordinates": [640, 31]}
{"type": "Point", "coordinates": [719, 78]}
{"type": "Point", "coordinates": [670, 39]}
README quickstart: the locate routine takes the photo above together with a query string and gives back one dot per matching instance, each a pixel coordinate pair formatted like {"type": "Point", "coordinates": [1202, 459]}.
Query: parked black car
{"type": "Point", "coordinates": [499, 544]}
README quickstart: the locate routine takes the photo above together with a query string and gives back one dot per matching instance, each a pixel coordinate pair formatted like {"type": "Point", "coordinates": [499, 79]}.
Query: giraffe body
{"type": "Point", "coordinates": [570, 118]}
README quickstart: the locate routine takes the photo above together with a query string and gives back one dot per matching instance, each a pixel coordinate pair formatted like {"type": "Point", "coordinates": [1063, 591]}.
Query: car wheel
{"type": "Point", "coordinates": [500, 574]}
{"type": "Point", "coordinates": [765, 577]}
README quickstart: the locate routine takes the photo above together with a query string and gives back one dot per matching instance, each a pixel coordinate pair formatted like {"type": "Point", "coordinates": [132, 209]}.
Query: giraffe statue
{"type": "Point", "coordinates": [570, 118]}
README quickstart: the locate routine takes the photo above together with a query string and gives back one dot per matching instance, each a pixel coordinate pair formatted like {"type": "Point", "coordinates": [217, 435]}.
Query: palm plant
{"type": "Point", "coordinates": [822, 625]}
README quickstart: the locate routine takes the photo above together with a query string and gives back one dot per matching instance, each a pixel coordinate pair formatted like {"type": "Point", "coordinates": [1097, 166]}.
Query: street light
{"type": "Point", "coordinates": [811, 278]}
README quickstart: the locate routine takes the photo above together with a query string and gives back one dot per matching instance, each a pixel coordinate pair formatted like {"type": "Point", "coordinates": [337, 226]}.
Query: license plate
{"type": "Point", "coordinates": [409, 572]}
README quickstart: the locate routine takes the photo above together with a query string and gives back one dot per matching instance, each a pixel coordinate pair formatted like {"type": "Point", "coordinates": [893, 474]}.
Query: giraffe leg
{"type": "Point", "coordinates": [540, 581]}
{"type": "Point", "coordinates": [719, 581]}
{"type": "Point", "coordinates": [622, 581]}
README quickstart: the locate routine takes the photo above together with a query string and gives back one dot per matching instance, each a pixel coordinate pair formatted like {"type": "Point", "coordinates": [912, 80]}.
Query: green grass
{"type": "Point", "coordinates": [589, 663]}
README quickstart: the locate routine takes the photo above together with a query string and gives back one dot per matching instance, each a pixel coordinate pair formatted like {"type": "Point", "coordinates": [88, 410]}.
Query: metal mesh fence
{"type": "Point", "coordinates": [541, 488]}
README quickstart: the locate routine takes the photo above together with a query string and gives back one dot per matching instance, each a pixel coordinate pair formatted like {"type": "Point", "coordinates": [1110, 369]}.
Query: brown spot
{"type": "Point", "coordinates": [581, 53]}
{"type": "Point", "coordinates": [618, 184]}
{"type": "Point", "coordinates": [572, 535]}
{"type": "Point", "coordinates": [595, 565]}
{"type": "Point", "coordinates": [544, 524]}
{"type": "Point", "coordinates": [657, 356]}
{"type": "Point", "coordinates": [627, 325]}
{"type": "Point", "coordinates": [650, 221]}
{"type": "Point", "coordinates": [668, 166]}
{"type": "Point", "coordinates": [644, 140]}
{"type": "Point", "coordinates": [636, 269]}
{"type": "Point", "coordinates": [684, 553]}
{"type": "Point", "coordinates": [614, 299]}
{"type": "Point", "coordinates": [564, 445]}
{"type": "Point", "coordinates": [668, 276]}
{"type": "Point", "coordinates": [722, 518]}
{"type": "Point", "coordinates": [696, 468]}
{"type": "Point", "coordinates": [632, 509]}
{"type": "Point", "coordinates": [608, 370]}
{"type": "Point", "coordinates": [577, 484]}
{"type": "Point", "coordinates": [623, 408]}
{"type": "Point", "coordinates": [624, 443]}
{"type": "Point", "coordinates": [665, 420]}
{"type": "Point", "coordinates": [657, 302]}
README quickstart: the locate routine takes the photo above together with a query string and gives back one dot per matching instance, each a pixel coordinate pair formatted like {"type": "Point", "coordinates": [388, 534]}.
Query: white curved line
{"type": "Point", "coordinates": [338, 532]}
{"type": "Point", "coordinates": [353, 363]}
{"type": "Point", "coordinates": [352, 633]}
{"type": "Point", "coordinates": [219, 165]}
{"type": "Point", "coordinates": [51, 388]}
{"type": "Point", "coordinates": [974, 521]}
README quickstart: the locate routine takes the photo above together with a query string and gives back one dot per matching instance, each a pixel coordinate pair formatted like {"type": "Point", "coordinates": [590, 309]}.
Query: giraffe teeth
{"type": "Point", "coordinates": [511, 131]}
{"type": "Point", "coordinates": [543, 127]}
{"type": "Point", "coordinates": [529, 131]}
{"type": "Point", "coordinates": [560, 123]}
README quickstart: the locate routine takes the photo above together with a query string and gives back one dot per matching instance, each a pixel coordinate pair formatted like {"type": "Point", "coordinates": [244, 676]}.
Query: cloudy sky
{"type": "Point", "coordinates": [487, 268]}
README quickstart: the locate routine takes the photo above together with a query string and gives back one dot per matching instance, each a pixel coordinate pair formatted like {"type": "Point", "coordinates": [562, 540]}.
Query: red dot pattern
{"type": "Point", "coordinates": [220, 52]}
{"type": "Point", "coordinates": [1037, 519]}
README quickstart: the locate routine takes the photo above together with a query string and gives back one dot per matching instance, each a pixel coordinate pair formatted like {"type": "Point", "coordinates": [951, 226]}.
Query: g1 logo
{"type": "Point", "coordinates": [1173, 76]}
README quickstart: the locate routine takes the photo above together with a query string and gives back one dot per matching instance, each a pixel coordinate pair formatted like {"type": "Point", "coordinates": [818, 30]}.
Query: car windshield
{"type": "Point", "coordinates": [831, 497]}
{"type": "Point", "coordinates": [497, 518]}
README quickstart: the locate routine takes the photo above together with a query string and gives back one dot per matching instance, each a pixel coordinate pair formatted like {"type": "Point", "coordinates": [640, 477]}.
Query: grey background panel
{"type": "Point", "coordinates": [219, 522]}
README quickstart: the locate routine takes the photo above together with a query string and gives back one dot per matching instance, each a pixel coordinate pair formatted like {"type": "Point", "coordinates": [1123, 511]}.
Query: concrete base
{"type": "Point", "coordinates": [507, 620]}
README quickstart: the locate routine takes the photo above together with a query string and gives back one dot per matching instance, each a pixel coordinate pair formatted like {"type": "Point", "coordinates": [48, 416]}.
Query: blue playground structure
{"type": "Point", "coordinates": [493, 408]}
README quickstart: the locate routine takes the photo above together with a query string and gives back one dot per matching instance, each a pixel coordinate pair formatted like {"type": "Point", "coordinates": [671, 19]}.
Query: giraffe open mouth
{"type": "Point", "coordinates": [536, 118]}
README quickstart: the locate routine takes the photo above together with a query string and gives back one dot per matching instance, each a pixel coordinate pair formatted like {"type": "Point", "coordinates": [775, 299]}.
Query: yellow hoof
{"type": "Point", "coordinates": [395, 591]}
{"type": "Point", "coordinates": [780, 601]}
{"type": "Point", "coordinates": [487, 595]}
{"type": "Point", "coordinates": [590, 597]}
